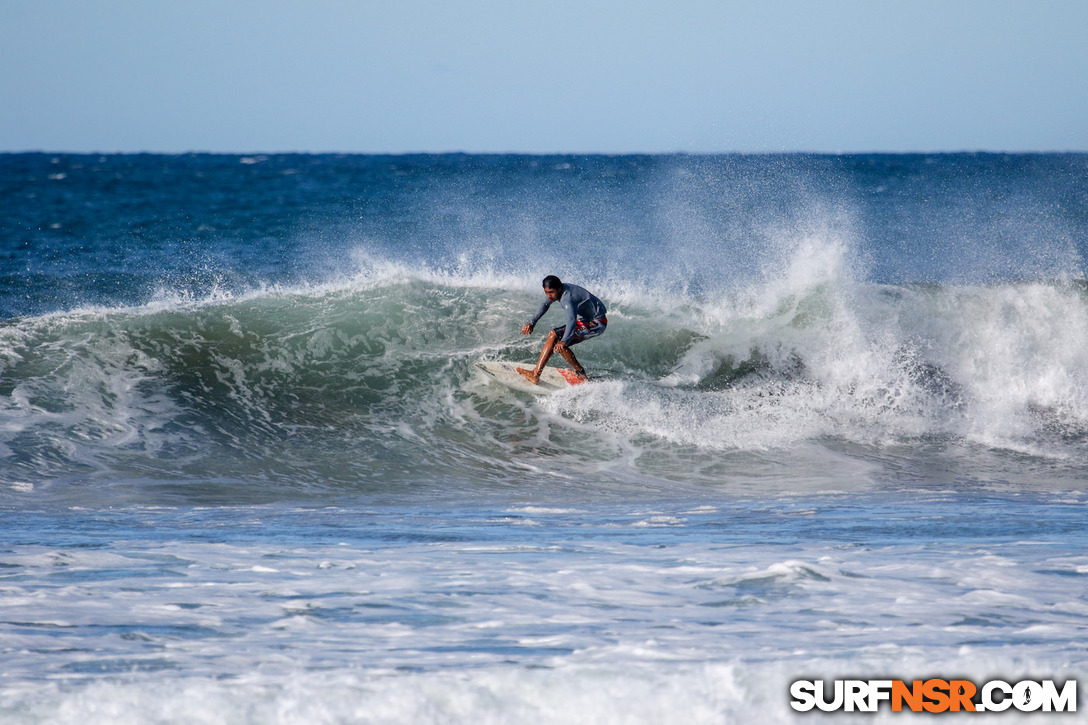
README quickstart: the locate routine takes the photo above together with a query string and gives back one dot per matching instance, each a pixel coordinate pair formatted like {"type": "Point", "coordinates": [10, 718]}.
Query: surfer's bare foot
{"type": "Point", "coordinates": [531, 375]}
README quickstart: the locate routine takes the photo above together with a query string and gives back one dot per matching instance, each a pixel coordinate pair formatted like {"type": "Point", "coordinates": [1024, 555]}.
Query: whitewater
{"type": "Point", "coordinates": [249, 472]}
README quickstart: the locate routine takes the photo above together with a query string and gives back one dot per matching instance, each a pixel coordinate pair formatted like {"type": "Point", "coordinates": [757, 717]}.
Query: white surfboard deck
{"type": "Point", "coordinates": [552, 380]}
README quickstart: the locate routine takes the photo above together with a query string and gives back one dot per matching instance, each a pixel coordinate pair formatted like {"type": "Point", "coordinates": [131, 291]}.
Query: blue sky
{"type": "Point", "coordinates": [543, 75]}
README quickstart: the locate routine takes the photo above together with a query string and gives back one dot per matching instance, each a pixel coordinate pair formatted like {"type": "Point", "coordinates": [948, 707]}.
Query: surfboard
{"type": "Point", "coordinates": [552, 380]}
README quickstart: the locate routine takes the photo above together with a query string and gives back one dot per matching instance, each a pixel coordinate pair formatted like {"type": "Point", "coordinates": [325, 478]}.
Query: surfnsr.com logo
{"type": "Point", "coordinates": [934, 695]}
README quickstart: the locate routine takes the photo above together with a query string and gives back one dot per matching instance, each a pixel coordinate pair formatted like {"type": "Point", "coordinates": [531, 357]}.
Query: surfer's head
{"type": "Point", "coordinates": [553, 287]}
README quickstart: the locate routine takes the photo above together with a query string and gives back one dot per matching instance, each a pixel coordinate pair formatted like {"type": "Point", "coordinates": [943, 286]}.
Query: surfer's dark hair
{"type": "Point", "coordinates": [552, 282]}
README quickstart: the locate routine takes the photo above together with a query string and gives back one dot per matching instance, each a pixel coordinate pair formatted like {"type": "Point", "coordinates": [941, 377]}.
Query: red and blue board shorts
{"type": "Point", "coordinates": [583, 330]}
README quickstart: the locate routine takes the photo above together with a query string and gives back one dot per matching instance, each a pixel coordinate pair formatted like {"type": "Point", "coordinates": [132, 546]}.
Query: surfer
{"type": "Point", "coordinates": [585, 319]}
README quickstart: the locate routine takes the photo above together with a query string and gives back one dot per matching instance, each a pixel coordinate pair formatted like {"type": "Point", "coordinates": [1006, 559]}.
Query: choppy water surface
{"type": "Point", "coordinates": [248, 472]}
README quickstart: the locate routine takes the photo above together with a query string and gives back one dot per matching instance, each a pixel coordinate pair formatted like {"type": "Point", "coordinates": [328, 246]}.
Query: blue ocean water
{"type": "Point", "coordinates": [248, 472]}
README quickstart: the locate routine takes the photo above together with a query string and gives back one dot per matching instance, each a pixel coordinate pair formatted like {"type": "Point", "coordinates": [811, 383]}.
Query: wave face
{"type": "Point", "coordinates": [247, 328]}
{"type": "Point", "coordinates": [371, 386]}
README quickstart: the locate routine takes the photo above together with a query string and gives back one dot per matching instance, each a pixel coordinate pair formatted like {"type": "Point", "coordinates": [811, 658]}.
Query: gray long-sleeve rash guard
{"type": "Point", "coordinates": [578, 303]}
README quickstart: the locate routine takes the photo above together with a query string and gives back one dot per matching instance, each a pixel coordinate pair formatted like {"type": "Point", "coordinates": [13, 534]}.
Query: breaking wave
{"type": "Point", "coordinates": [367, 382]}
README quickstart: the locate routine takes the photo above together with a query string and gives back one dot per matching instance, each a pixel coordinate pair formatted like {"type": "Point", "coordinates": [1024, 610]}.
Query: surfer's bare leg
{"type": "Point", "coordinates": [568, 355]}
{"type": "Point", "coordinates": [549, 345]}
